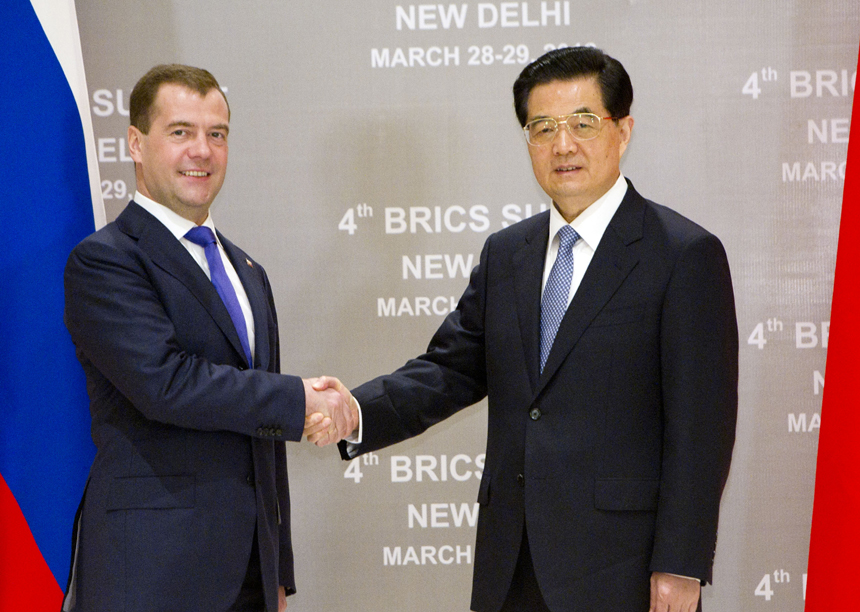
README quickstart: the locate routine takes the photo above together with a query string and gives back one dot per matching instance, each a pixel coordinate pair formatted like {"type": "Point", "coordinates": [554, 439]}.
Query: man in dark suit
{"type": "Point", "coordinates": [603, 334]}
{"type": "Point", "coordinates": [187, 503]}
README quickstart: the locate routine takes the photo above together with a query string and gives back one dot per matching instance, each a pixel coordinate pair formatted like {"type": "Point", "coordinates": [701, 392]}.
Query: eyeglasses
{"type": "Point", "coordinates": [582, 126]}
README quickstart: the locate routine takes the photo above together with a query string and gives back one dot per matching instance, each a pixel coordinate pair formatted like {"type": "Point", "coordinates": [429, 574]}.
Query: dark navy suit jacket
{"type": "Point", "coordinates": [190, 459]}
{"type": "Point", "coordinates": [615, 457]}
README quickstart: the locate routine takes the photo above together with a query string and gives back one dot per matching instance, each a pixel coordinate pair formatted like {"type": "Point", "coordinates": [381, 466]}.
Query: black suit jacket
{"type": "Point", "coordinates": [190, 459]}
{"type": "Point", "coordinates": [615, 457]}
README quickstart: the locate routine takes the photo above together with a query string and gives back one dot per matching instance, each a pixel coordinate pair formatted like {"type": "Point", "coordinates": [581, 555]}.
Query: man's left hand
{"type": "Point", "coordinates": [282, 599]}
{"type": "Point", "coordinates": [671, 593]}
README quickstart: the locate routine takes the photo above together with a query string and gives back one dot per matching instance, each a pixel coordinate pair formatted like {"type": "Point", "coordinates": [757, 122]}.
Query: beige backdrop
{"type": "Point", "coordinates": [373, 149]}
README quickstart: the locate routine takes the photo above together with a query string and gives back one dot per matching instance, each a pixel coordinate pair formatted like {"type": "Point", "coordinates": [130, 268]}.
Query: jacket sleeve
{"type": "Point", "coordinates": [699, 365]}
{"type": "Point", "coordinates": [448, 377]}
{"type": "Point", "coordinates": [128, 342]}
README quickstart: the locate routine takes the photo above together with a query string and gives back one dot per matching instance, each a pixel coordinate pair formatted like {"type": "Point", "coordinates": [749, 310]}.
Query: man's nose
{"type": "Point", "coordinates": [200, 146]}
{"type": "Point", "coordinates": [563, 142]}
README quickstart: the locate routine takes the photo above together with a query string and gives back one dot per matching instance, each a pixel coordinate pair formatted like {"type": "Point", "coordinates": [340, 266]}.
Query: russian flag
{"type": "Point", "coordinates": [49, 200]}
{"type": "Point", "coordinates": [834, 546]}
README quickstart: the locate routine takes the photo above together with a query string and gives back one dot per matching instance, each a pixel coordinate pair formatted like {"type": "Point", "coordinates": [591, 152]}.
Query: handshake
{"type": "Point", "coordinates": [331, 413]}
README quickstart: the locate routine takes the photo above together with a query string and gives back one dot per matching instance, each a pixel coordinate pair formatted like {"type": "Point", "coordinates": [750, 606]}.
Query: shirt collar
{"type": "Point", "coordinates": [176, 224]}
{"type": "Point", "coordinates": [593, 221]}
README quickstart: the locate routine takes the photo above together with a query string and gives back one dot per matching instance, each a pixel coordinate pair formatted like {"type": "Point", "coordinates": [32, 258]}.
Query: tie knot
{"type": "Point", "coordinates": [567, 237]}
{"type": "Point", "coordinates": [201, 235]}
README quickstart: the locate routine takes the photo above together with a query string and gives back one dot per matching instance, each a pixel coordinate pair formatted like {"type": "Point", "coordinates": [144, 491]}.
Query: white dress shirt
{"type": "Point", "coordinates": [590, 225]}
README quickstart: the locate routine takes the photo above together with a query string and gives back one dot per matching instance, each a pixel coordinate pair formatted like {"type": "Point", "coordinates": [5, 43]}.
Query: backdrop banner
{"type": "Point", "coordinates": [374, 147]}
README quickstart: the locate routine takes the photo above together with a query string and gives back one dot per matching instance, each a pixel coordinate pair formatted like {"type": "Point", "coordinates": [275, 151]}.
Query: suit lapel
{"type": "Point", "coordinates": [528, 262]}
{"type": "Point", "coordinates": [256, 296]}
{"type": "Point", "coordinates": [612, 263]}
{"type": "Point", "coordinates": [167, 253]}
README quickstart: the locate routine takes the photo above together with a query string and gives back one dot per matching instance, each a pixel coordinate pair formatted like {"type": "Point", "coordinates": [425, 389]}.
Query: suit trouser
{"type": "Point", "coordinates": [524, 594]}
{"type": "Point", "coordinates": [251, 597]}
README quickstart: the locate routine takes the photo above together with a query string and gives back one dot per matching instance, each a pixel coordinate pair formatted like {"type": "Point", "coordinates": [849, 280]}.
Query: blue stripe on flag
{"type": "Point", "coordinates": [45, 209]}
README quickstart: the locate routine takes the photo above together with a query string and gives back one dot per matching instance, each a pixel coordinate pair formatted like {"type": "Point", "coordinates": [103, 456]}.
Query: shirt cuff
{"type": "Point", "coordinates": [354, 439]}
{"type": "Point", "coordinates": [687, 577]}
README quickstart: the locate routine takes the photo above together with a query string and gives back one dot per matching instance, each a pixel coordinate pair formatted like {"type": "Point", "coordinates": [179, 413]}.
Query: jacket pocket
{"type": "Point", "coordinates": [626, 494]}
{"type": "Point", "coordinates": [151, 492]}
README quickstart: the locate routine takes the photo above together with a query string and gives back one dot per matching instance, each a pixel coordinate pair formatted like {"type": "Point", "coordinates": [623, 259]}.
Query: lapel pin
{"type": "Point", "coordinates": [248, 261]}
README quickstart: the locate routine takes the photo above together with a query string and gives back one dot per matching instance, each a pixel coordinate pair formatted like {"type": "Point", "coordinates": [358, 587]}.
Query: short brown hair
{"type": "Point", "coordinates": [144, 92]}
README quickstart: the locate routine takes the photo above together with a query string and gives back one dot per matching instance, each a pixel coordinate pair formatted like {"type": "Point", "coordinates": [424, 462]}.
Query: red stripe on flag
{"type": "Point", "coordinates": [26, 583]}
{"type": "Point", "coordinates": [834, 546]}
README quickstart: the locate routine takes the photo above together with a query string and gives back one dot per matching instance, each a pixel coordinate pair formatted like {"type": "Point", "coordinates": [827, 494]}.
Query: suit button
{"type": "Point", "coordinates": [279, 432]}
{"type": "Point", "coordinates": [260, 431]}
{"type": "Point", "coordinates": [535, 413]}
{"type": "Point", "coordinates": [521, 480]}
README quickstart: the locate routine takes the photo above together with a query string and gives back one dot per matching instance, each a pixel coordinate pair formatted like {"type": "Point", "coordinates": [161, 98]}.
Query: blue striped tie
{"type": "Point", "coordinates": [556, 292]}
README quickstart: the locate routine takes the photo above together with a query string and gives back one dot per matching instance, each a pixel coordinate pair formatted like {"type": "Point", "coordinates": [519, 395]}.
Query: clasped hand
{"type": "Point", "coordinates": [331, 413]}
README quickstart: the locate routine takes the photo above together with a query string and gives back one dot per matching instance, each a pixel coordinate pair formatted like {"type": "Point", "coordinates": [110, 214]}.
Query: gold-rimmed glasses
{"type": "Point", "coordinates": [582, 126]}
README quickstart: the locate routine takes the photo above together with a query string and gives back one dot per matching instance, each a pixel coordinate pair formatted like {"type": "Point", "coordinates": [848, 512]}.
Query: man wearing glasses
{"type": "Point", "coordinates": [603, 333]}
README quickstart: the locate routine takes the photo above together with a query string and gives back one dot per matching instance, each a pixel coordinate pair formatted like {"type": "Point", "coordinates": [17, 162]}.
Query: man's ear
{"type": "Point", "coordinates": [135, 137]}
{"type": "Point", "coordinates": [625, 127]}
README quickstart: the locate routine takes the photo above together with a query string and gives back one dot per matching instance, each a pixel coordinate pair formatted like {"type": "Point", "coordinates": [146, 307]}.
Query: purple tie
{"type": "Point", "coordinates": [205, 237]}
